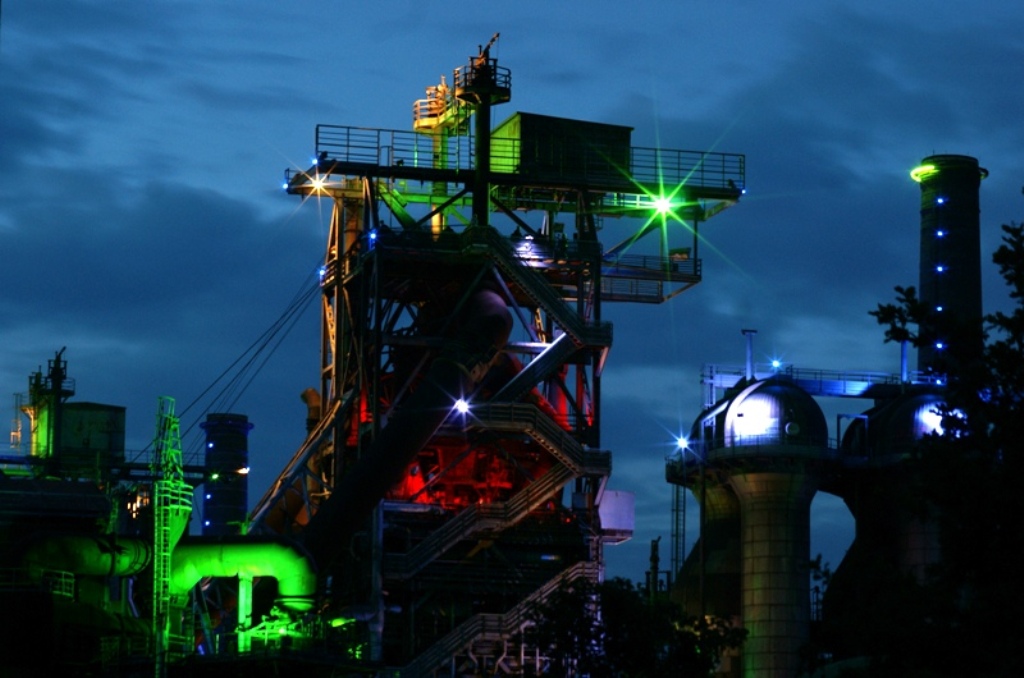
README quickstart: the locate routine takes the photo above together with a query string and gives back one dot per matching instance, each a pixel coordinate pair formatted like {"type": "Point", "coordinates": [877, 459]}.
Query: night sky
{"type": "Point", "coordinates": [143, 225]}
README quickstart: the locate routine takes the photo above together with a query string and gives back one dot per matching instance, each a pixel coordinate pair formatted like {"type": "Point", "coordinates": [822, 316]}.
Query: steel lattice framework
{"type": "Point", "coordinates": [491, 501]}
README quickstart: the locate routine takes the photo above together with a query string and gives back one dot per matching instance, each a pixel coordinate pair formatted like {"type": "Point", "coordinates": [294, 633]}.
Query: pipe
{"type": "Point", "coordinates": [246, 558]}
{"type": "Point", "coordinates": [463, 362]}
{"type": "Point", "coordinates": [108, 555]}
{"type": "Point", "coordinates": [904, 371]}
{"type": "Point", "coordinates": [749, 334]}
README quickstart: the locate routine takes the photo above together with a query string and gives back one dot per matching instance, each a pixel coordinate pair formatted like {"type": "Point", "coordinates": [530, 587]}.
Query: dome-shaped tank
{"type": "Point", "coordinates": [892, 429]}
{"type": "Point", "coordinates": [772, 412]}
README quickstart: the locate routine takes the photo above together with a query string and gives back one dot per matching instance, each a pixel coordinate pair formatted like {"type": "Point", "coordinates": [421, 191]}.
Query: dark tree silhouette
{"type": "Point", "coordinates": [614, 629]}
{"type": "Point", "coordinates": [964, 617]}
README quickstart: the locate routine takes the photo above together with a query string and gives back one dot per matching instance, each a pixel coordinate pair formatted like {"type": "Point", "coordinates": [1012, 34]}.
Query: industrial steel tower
{"type": "Point", "coordinates": [453, 473]}
{"type": "Point", "coordinates": [950, 274]}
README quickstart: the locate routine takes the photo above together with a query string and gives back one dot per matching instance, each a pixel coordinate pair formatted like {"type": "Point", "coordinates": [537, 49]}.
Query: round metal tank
{"type": "Point", "coordinates": [773, 412]}
{"type": "Point", "coordinates": [891, 430]}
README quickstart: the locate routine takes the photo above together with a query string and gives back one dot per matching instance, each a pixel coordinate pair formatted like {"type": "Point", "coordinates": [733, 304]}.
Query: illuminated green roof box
{"type": "Point", "coordinates": [549, 148]}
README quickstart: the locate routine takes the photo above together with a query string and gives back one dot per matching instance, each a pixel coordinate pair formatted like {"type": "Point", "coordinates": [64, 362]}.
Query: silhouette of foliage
{"type": "Point", "coordinates": [963, 618]}
{"type": "Point", "coordinates": [614, 629]}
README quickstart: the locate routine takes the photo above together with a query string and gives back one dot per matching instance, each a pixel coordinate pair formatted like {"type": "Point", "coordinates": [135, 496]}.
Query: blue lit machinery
{"type": "Point", "coordinates": [755, 459]}
{"type": "Point", "coordinates": [759, 452]}
{"type": "Point", "coordinates": [462, 350]}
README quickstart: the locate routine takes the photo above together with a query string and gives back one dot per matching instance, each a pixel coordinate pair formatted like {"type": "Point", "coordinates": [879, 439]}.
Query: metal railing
{"type": "Point", "coordinates": [530, 420]}
{"type": "Point", "coordinates": [669, 168]}
{"type": "Point", "coordinates": [737, 446]}
{"type": "Point", "coordinates": [645, 265]}
{"type": "Point", "coordinates": [589, 164]}
{"type": "Point", "coordinates": [493, 625]}
{"type": "Point", "coordinates": [482, 518]}
{"type": "Point", "coordinates": [393, 148]}
{"type": "Point", "coordinates": [632, 289]}
{"type": "Point", "coordinates": [582, 331]}
{"type": "Point", "coordinates": [838, 382]}
{"type": "Point", "coordinates": [58, 582]}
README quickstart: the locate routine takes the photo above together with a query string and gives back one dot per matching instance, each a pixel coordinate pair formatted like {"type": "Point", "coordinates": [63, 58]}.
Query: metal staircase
{"type": "Point", "coordinates": [530, 420]}
{"type": "Point", "coordinates": [573, 461]}
{"type": "Point", "coordinates": [486, 518]}
{"type": "Point", "coordinates": [492, 626]}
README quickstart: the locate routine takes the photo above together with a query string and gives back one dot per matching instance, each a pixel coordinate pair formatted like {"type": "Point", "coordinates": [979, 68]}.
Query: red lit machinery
{"type": "Point", "coordinates": [452, 475]}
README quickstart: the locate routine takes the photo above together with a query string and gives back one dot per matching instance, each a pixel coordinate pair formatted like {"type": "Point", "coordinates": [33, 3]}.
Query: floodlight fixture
{"type": "Point", "coordinates": [663, 205]}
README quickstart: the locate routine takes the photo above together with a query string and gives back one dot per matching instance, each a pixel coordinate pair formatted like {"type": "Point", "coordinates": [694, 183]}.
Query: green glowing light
{"type": "Point", "coordinates": [922, 172]}
{"type": "Point", "coordinates": [214, 476]}
{"type": "Point", "coordinates": [339, 622]}
{"type": "Point", "coordinates": [663, 205]}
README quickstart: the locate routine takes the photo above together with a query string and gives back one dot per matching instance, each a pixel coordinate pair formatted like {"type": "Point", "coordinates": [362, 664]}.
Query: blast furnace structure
{"type": "Point", "coordinates": [462, 350]}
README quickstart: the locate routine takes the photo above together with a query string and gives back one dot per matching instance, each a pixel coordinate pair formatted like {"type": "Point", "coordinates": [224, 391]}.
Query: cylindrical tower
{"type": "Point", "coordinates": [767, 445]}
{"type": "Point", "coordinates": [950, 273]}
{"type": "Point", "coordinates": [710, 577]}
{"type": "Point", "coordinates": [226, 497]}
{"type": "Point", "coordinates": [775, 520]}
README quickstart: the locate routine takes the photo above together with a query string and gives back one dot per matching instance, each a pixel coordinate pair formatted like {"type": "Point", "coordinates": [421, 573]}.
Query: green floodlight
{"type": "Point", "coordinates": [339, 622]}
{"type": "Point", "coordinates": [922, 172]}
{"type": "Point", "coordinates": [663, 205]}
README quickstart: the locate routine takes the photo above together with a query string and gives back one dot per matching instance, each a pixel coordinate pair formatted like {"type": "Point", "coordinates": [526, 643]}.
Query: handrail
{"type": "Point", "coordinates": [531, 420]}
{"type": "Point", "coordinates": [653, 166]}
{"type": "Point", "coordinates": [58, 582]}
{"type": "Point", "coordinates": [698, 453]}
{"type": "Point", "coordinates": [646, 266]}
{"type": "Point", "coordinates": [502, 625]}
{"type": "Point", "coordinates": [668, 167]}
{"type": "Point", "coordinates": [728, 375]}
{"type": "Point", "coordinates": [479, 518]}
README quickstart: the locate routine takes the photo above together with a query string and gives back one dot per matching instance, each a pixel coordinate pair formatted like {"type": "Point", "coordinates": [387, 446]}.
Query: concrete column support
{"type": "Point", "coordinates": [714, 589]}
{"type": "Point", "coordinates": [775, 534]}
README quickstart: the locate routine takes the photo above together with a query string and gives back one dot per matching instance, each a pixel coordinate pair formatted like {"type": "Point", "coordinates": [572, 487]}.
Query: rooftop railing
{"type": "Point", "coordinates": [670, 168]}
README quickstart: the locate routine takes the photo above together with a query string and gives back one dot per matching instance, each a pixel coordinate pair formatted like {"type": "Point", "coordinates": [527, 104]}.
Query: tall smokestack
{"type": "Point", "coordinates": [226, 491]}
{"type": "Point", "coordinates": [950, 274]}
